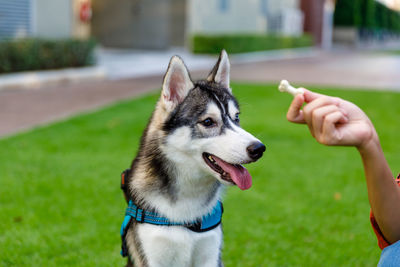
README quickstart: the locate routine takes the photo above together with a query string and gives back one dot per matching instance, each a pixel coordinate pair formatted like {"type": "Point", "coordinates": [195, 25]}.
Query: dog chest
{"type": "Point", "coordinates": [178, 246]}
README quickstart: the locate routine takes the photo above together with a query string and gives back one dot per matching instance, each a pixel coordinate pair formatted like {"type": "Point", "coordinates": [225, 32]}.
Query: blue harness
{"type": "Point", "coordinates": [206, 223]}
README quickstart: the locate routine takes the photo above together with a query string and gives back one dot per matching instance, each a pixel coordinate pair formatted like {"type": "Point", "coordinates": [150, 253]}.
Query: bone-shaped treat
{"type": "Point", "coordinates": [285, 86]}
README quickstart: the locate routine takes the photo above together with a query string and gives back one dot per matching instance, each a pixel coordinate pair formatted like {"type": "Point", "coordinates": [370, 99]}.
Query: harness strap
{"type": "Point", "coordinates": [211, 220]}
{"type": "Point", "coordinates": [206, 223]}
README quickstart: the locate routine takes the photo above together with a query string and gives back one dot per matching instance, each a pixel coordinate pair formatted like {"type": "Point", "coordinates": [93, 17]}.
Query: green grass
{"type": "Point", "coordinates": [394, 52]}
{"type": "Point", "coordinates": [60, 202]}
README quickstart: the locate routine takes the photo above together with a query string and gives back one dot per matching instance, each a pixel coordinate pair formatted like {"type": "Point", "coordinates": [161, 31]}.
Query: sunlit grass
{"type": "Point", "coordinates": [393, 52]}
{"type": "Point", "coordinates": [60, 202]}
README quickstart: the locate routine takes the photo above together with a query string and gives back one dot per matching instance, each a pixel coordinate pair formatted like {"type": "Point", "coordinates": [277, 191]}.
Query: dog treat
{"type": "Point", "coordinates": [285, 86]}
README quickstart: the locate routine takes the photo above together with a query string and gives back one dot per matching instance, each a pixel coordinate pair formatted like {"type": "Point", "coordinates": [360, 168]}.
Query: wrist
{"type": "Point", "coordinates": [370, 146]}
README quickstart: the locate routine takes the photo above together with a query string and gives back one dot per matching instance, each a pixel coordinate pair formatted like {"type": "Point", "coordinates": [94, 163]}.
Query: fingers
{"type": "Point", "coordinates": [322, 116]}
{"type": "Point", "coordinates": [319, 102]}
{"type": "Point", "coordinates": [314, 100]}
{"type": "Point", "coordinates": [295, 114]}
{"type": "Point", "coordinates": [311, 96]}
{"type": "Point", "coordinates": [328, 118]}
{"type": "Point", "coordinates": [318, 118]}
{"type": "Point", "coordinates": [329, 132]}
{"type": "Point", "coordinates": [325, 123]}
{"type": "Point", "coordinates": [310, 108]}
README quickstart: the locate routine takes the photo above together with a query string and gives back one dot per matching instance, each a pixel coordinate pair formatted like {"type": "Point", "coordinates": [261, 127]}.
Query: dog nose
{"type": "Point", "coordinates": [256, 150]}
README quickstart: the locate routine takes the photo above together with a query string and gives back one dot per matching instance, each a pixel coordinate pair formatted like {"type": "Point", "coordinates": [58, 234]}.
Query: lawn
{"type": "Point", "coordinates": [60, 202]}
{"type": "Point", "coordinates": [394, 52]}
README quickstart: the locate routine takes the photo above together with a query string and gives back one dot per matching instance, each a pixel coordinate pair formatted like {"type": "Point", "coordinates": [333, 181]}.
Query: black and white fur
{"type": "Point", "coordinates": [170, 175]}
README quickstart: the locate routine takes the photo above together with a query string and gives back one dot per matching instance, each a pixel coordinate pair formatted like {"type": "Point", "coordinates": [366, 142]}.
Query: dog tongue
{"type": "Point", "coordinates": [239, 174]}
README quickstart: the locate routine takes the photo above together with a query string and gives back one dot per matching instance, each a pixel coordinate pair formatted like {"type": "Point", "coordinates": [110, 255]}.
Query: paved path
{"type": "Point", "coordinates": [23, 109]}
{"type": "Point", "coordinates": [366, 70]}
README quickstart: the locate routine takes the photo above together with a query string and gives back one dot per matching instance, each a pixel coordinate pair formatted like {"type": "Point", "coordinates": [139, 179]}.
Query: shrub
{"type": "Point", "coordinates": [366, 14]}
{"type": "Point", "coordinates": [213, 44]}
{"type": "Point", "coordinates": [347, 13]}
{"type": "Point", "coordinates": [386, 19]}
{"type": "Point", "coordinates": [40, 54]}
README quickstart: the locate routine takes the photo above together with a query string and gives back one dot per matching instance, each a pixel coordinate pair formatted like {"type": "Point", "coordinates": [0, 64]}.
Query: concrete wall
{"type": "Point", "coordinates": [59, 19]}
{"type": "Point", "coordinates": [276, 6]}
{"type": "Point", "coordinates": [132, 23]}
{"type": "Point", "coordinates": [156, 24]}
{"type": "Point", "coordinates": [251, 16]}
{"type": "Point", "coordinates": [177, 23]}
{"type": "Point", "coordinates": [53, 18]}
{"type": "Point", "coordinates": [225, 16]}
{"type": "Point", "coordinates": [284, 17]}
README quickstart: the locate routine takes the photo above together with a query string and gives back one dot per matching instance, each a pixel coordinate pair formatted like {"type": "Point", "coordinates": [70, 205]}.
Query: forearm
{"type": "Point", "coordinates": [383, 192]}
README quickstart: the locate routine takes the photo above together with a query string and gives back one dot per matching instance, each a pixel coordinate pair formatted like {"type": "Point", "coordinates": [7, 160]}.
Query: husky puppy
{"type": "Point", "coordinates": [192, 148]}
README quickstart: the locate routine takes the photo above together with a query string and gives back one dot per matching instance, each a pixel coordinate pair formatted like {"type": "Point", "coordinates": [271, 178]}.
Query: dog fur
{"type": "Point", "coordinates": [170, 174]}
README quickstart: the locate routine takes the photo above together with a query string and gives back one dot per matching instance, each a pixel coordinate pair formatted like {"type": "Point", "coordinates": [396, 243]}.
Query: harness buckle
{"type": "Point", "coordinates": [124, 183]}
{"type": "Point", "coordinates": [139, 215]}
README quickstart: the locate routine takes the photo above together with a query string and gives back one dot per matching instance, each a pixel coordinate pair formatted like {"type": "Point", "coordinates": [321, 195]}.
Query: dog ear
{"type": "Point", "coordinates": [221, 71]}
{"type": "Point", "coordinates": [177, 83]}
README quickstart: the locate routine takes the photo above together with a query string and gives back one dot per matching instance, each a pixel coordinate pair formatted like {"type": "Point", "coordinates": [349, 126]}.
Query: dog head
{"type": "Point", "coordinates": [202, 127]}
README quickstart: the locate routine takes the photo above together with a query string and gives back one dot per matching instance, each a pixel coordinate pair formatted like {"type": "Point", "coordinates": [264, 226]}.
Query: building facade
{"type": "Point", "coordinates": [155, 24]}
{"type": "Point", "coordinates": [43, 18]}
{"type": "Point", "coordinates": [252, 16]}
{"type": "Point", "coordinates": [147, 24]}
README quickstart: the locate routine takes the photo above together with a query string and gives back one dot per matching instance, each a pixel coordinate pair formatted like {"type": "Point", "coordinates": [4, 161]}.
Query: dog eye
{"type": "Point", "coordinates": [208, 122]}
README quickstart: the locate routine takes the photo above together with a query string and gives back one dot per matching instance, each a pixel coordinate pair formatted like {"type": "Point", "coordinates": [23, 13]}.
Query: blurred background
{"type": "Point", "coordinates": [321, 42]}
{"type": "Point", "coordinates": [156, 24]}
{"type": "Point", "coordinates": [78, 82]}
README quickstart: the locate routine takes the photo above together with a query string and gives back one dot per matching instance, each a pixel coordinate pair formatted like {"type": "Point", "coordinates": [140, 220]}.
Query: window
{"type": "Point", "coordinates": [15, 18]}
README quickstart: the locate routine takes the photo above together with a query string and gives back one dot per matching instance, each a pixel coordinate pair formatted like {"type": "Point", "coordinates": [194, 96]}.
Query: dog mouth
{"type": "Point", "coordinates": [231, 173]}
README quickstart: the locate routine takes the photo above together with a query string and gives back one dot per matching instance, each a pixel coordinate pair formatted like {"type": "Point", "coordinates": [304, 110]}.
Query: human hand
{"type": "Point", "coordinates": [332, 120]}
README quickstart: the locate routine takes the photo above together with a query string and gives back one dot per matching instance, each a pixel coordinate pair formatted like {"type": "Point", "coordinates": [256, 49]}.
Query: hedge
{"type": "Point", "coordinates": [213, 44]}
{"type": "Point", "coordinates": [346, 13]}
{"type": "Point", "coordinates": [40, 54]}
{"type": "Point", "coordinates": [366, 14]}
